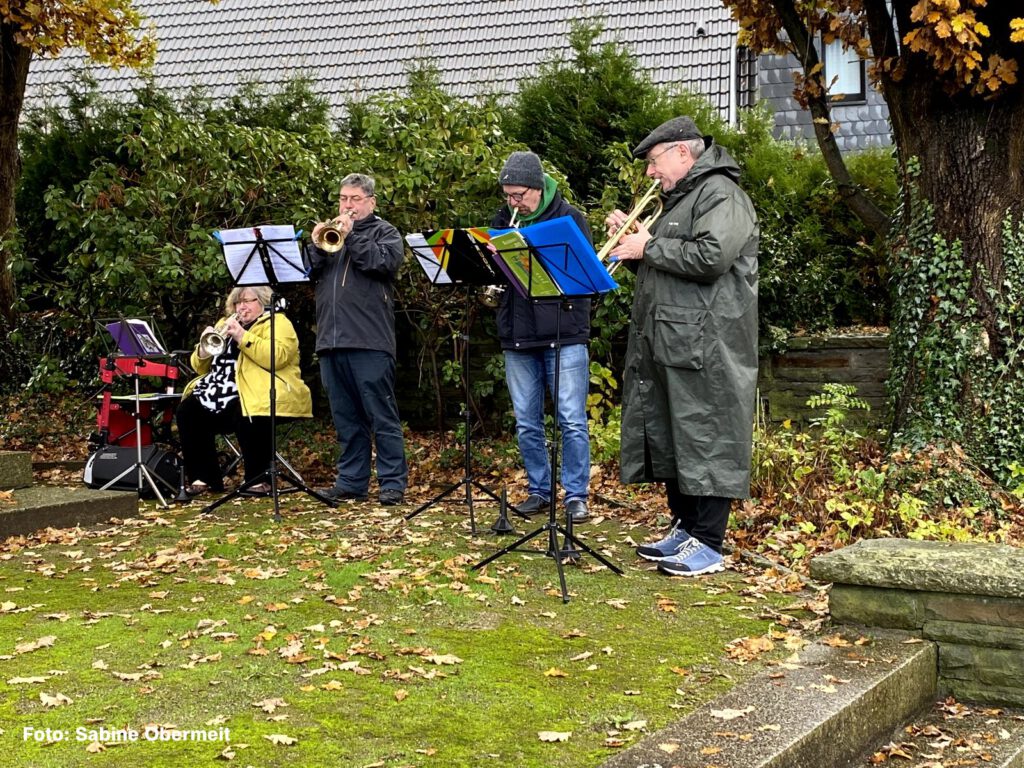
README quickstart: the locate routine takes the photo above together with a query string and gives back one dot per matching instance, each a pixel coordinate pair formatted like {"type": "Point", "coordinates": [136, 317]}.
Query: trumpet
{"type": "Point", "coordinates": [651, 197]}
{"type": "Point", "coordinates": [331, 238]}
{"type": "Point", "coordinates": [214, 341]}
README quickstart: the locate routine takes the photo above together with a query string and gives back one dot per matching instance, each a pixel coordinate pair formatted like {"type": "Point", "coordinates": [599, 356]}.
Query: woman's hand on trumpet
{"type": "Point", "coordinates": [234, 329]}
{"type": "Point", "coordinates": [631, 246]}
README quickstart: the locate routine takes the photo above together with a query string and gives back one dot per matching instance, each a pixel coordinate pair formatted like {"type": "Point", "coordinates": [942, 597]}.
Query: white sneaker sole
{"type": "Point", "coordinates": [713, 568]}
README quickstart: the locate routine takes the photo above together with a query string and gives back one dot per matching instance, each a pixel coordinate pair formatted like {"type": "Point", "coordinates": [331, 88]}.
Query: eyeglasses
{"type": "Point", "coordinates": [516, 197]}
{"type": "Point", "coordinates": [248, 301]}
{"type": "Point", "coordinates": [652, 159]}
{"type": "Point", "coordinates": [357, 199]}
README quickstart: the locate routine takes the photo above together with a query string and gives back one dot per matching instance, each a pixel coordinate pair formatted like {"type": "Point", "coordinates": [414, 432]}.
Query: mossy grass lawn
{"type": "Point", "coordinates": [350, 637]}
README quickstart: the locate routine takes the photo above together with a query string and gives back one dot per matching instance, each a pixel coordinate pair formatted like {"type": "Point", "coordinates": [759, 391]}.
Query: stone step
{"type": "Point", "coordinates": [15, 469]}
{"type": "Point", "coordinates": [951, 733]}
{"type": "Point", "coordinates": [51, 507]}
{"type": "Point", "coordinates": [821, 709]}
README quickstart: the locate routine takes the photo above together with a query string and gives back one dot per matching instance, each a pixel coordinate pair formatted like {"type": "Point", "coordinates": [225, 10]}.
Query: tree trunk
{"type": "Point", "coordinates": [14, 61]}
{"type": "Point", "coordinates": [968, 157]}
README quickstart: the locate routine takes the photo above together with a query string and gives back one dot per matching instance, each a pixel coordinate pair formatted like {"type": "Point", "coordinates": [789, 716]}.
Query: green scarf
{"type": "Point", "coordinates": [546, 196]}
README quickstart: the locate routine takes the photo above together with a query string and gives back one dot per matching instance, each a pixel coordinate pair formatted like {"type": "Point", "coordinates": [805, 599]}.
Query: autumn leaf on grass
{"type": "Point", "coordinates": [269, 705]}
{"type": "Point", "coordinates": [42, 642]}
{"type": "Point", "coordinates": [54, 701]}
{"type": "Point", "coordinates": [443, 658]}
{"type": "Point", "coordinates": [7, 606]}
{"type": "Point", "coordinates": [281, 740]}
{"type": "Point", "coordinates": [27, 680]}
{"type": "Point", "coordinates": [731, 714]}
{"type": "Point", "coordinates": [746, 649]}
{"type": "Point", "coordinates": [635, 725]}
{"type": "Point", "coordinates": [554, 735]}
{"type": "Point", "coordinates": [555, 672]}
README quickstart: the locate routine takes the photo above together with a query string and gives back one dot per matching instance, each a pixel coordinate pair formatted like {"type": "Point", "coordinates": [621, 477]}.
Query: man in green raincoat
{"type": "Point", "coordinates": [691, 359]}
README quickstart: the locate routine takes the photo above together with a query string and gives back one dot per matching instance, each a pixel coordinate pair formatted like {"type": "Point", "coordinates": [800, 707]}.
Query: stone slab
{"type": "Point", "coordinates": [15, 469]}
{"type": "Point", "coordinates": [989, 666]}
{"type": "Point", "coordinates": [52, 507]}
{"type": "Point", "coordinates": [967, 568]}
{"type": "Point", "coordinates": [982, 635]}
{"type": "Point", "coordinates": [805, 718]}
{"type": "Point", "coordinates": [876, 607]}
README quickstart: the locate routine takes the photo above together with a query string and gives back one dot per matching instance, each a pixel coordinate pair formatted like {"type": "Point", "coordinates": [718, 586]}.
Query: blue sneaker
{"type": "Point", "coordinates": [694, 559]}
{"type": "Point", "coordinates": [667, 547]}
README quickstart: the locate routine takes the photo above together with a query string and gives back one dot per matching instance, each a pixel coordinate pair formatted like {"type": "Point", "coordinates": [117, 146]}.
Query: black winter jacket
{"type": "Point", "coordinates": [355, 288]}
{"type": "Point", "coordinates": [524, 324]}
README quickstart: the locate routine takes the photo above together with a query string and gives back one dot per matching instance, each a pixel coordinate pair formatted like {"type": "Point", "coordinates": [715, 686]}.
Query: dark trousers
{"type": "Point", "coordinates": [198, 429]}
{"type": "Point", "coordinates": [360, 386]}
{"type": "Point", "coordinates": [703, 517]}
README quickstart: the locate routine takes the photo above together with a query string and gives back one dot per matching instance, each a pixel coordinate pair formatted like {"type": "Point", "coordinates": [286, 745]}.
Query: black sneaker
{"type": "Point", "coordinates": [577, 510]}
{"type": "Point", "coordinates": [533, 505]}
{"type": "Point", "coordinates": [391, 497]}
{"type": "Point", "coordinates": [340, 494]}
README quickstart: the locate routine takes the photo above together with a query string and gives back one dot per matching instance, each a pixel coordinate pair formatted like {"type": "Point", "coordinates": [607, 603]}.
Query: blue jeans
{"type": "Point", "coordinates": [528, 374]}
{"type": "Point", "coordinates": [360, 386]}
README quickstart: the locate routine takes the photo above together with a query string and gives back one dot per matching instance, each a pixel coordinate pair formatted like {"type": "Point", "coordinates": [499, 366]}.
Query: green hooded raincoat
{"type": "Point", "coordinates": [691, 359]}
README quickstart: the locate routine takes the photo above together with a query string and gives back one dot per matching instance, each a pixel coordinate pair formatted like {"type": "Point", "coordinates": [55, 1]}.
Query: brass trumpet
{"type": "Point", "coordinates": [651, 197]}
{"type": "Point", "coordinates": [331, 237]}
{"type": "Point", "coordinates": [214, 342]}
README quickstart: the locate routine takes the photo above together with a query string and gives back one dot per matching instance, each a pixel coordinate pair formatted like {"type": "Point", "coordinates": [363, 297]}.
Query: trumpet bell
{"type": "Point", "coordinates": [212, 343]}
{"type": "Point", "coordinates": [330, 239]}
{"type": "Point", "coordinates": [491, 295]}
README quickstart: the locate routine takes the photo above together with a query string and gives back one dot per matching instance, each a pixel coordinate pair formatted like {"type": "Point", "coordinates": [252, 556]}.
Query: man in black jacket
{"type": "Point", "coordinates": [528, 331]}
{"type": "Point", "coordinates": [355, 341]}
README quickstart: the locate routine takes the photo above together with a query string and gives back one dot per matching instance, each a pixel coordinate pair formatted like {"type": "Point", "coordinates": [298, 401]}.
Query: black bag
{"type": "Point", "coordinates": [110, 461]}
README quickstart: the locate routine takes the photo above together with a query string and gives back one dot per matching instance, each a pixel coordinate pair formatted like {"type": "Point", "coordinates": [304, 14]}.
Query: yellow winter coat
{"type": "Point", "coordinates": [252, 373]}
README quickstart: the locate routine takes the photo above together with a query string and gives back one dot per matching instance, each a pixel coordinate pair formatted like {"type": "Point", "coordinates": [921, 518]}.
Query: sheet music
{"type": "Point", "coordinates": [429, 256]}
{"type": "Point", "coordinates": [135, 337]}
{"type": "Point", "coordinates": [246, 266]}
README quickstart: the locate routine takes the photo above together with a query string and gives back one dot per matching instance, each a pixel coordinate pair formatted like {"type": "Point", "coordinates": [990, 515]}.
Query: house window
{"type": "Point", "coordinates": [844, 73]}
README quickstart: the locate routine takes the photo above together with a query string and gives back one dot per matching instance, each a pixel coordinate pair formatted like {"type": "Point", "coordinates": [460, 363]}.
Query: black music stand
{"type": "Point", "coordinates": [544, 263]}
{"type": "Point", "coordinates": [454, 257]}
{"type": "Point", "coordinates": [138, 343]}
{"type": "Point", "coordinates": [279, 262]}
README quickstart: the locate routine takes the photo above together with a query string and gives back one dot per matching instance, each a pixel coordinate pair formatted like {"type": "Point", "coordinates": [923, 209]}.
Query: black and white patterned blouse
{"type": "Point", "coordinates": [217, 389]}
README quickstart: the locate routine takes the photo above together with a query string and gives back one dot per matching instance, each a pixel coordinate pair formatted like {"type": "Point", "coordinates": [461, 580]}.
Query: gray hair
{"type": "Point", "coordinates": [695, 147]}
{"type": "Point", "coordinates": [361, 180]}
{"type": "Point", "coordinates": [261, 292]}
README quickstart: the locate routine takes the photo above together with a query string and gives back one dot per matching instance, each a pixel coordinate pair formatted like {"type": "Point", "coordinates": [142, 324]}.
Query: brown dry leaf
{"type": "Point", "coordinates": [280, 739]}
{"type": "Point", "coordinates": [27, 680]}
{"type": "Point", "coordinates": [554, 735]}
{"type": "Point", "coordinates": [555, 672]}
{"type": "Point", "coordinates": [269, 705]}
{"type": "Point", "coordinates": [836, 641]}
{"type": "Point", "coordinates": [42, 642]}
{"type": "Point", "coordinates": [443, 658]}
{"type": "Point", "coordinates": [401, 694]}
{"type": "Point", "coordinates": [669, 749]}
{"type": "Point", "coordinates": [94, 747]}
{"type": "Point", "coordinates": [7, 606]}
{"type": "Point", "coordinates": [54, 701]}
{"type": "Point", "coordinates": [635, 725]}
{"type": "Point", "coordinates": [731, 714]}
{"type": "Point", "coordinates": [582, 656]}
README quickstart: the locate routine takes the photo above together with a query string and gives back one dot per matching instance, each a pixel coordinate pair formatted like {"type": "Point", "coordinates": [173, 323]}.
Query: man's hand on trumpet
{"type": "Point", "coordinates": [630, 247]}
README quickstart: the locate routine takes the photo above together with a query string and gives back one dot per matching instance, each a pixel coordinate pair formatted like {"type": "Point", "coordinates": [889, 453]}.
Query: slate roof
{"type": "Point", "coordinates": [363, 47]}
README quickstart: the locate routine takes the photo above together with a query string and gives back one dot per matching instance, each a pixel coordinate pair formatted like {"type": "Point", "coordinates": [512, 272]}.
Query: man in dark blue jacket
{"type": "Point", "coordinates": [355, 341]}
{"type": "Point", "coordinates": [528, 332]}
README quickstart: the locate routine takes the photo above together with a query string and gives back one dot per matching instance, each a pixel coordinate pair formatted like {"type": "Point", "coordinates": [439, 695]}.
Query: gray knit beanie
{"type": "Point", "coordinates": [522, 169]}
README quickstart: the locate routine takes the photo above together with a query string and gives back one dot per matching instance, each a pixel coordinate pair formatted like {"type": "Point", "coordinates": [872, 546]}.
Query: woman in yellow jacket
{"type": "Point", "coordinates": [232, 391]}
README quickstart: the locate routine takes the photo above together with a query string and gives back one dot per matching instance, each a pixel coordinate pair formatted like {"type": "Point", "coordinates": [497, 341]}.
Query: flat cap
{"type": "Point", "coordinates": [676, 129]}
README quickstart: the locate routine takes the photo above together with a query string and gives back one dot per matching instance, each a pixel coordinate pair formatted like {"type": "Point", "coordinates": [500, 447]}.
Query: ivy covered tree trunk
{"type": "Point", "coordinates": [14, 61]}
{"type": "Point", "coordinates": [958, 340]}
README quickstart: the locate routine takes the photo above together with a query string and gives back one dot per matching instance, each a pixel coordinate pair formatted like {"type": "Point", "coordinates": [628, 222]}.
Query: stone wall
{"type": "Point", "coordinates": [966, 597]}
{"type": "Point", "coordinates": [787, 379]}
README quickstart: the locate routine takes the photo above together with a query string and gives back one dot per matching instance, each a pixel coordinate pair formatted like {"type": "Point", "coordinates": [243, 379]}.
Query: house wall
{"type": "Point", "coordinates": [861, 124]}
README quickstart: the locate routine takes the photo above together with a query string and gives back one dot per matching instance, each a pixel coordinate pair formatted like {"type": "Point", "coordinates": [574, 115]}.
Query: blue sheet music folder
{"type": "Point", "coordinates": [569, 257]}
